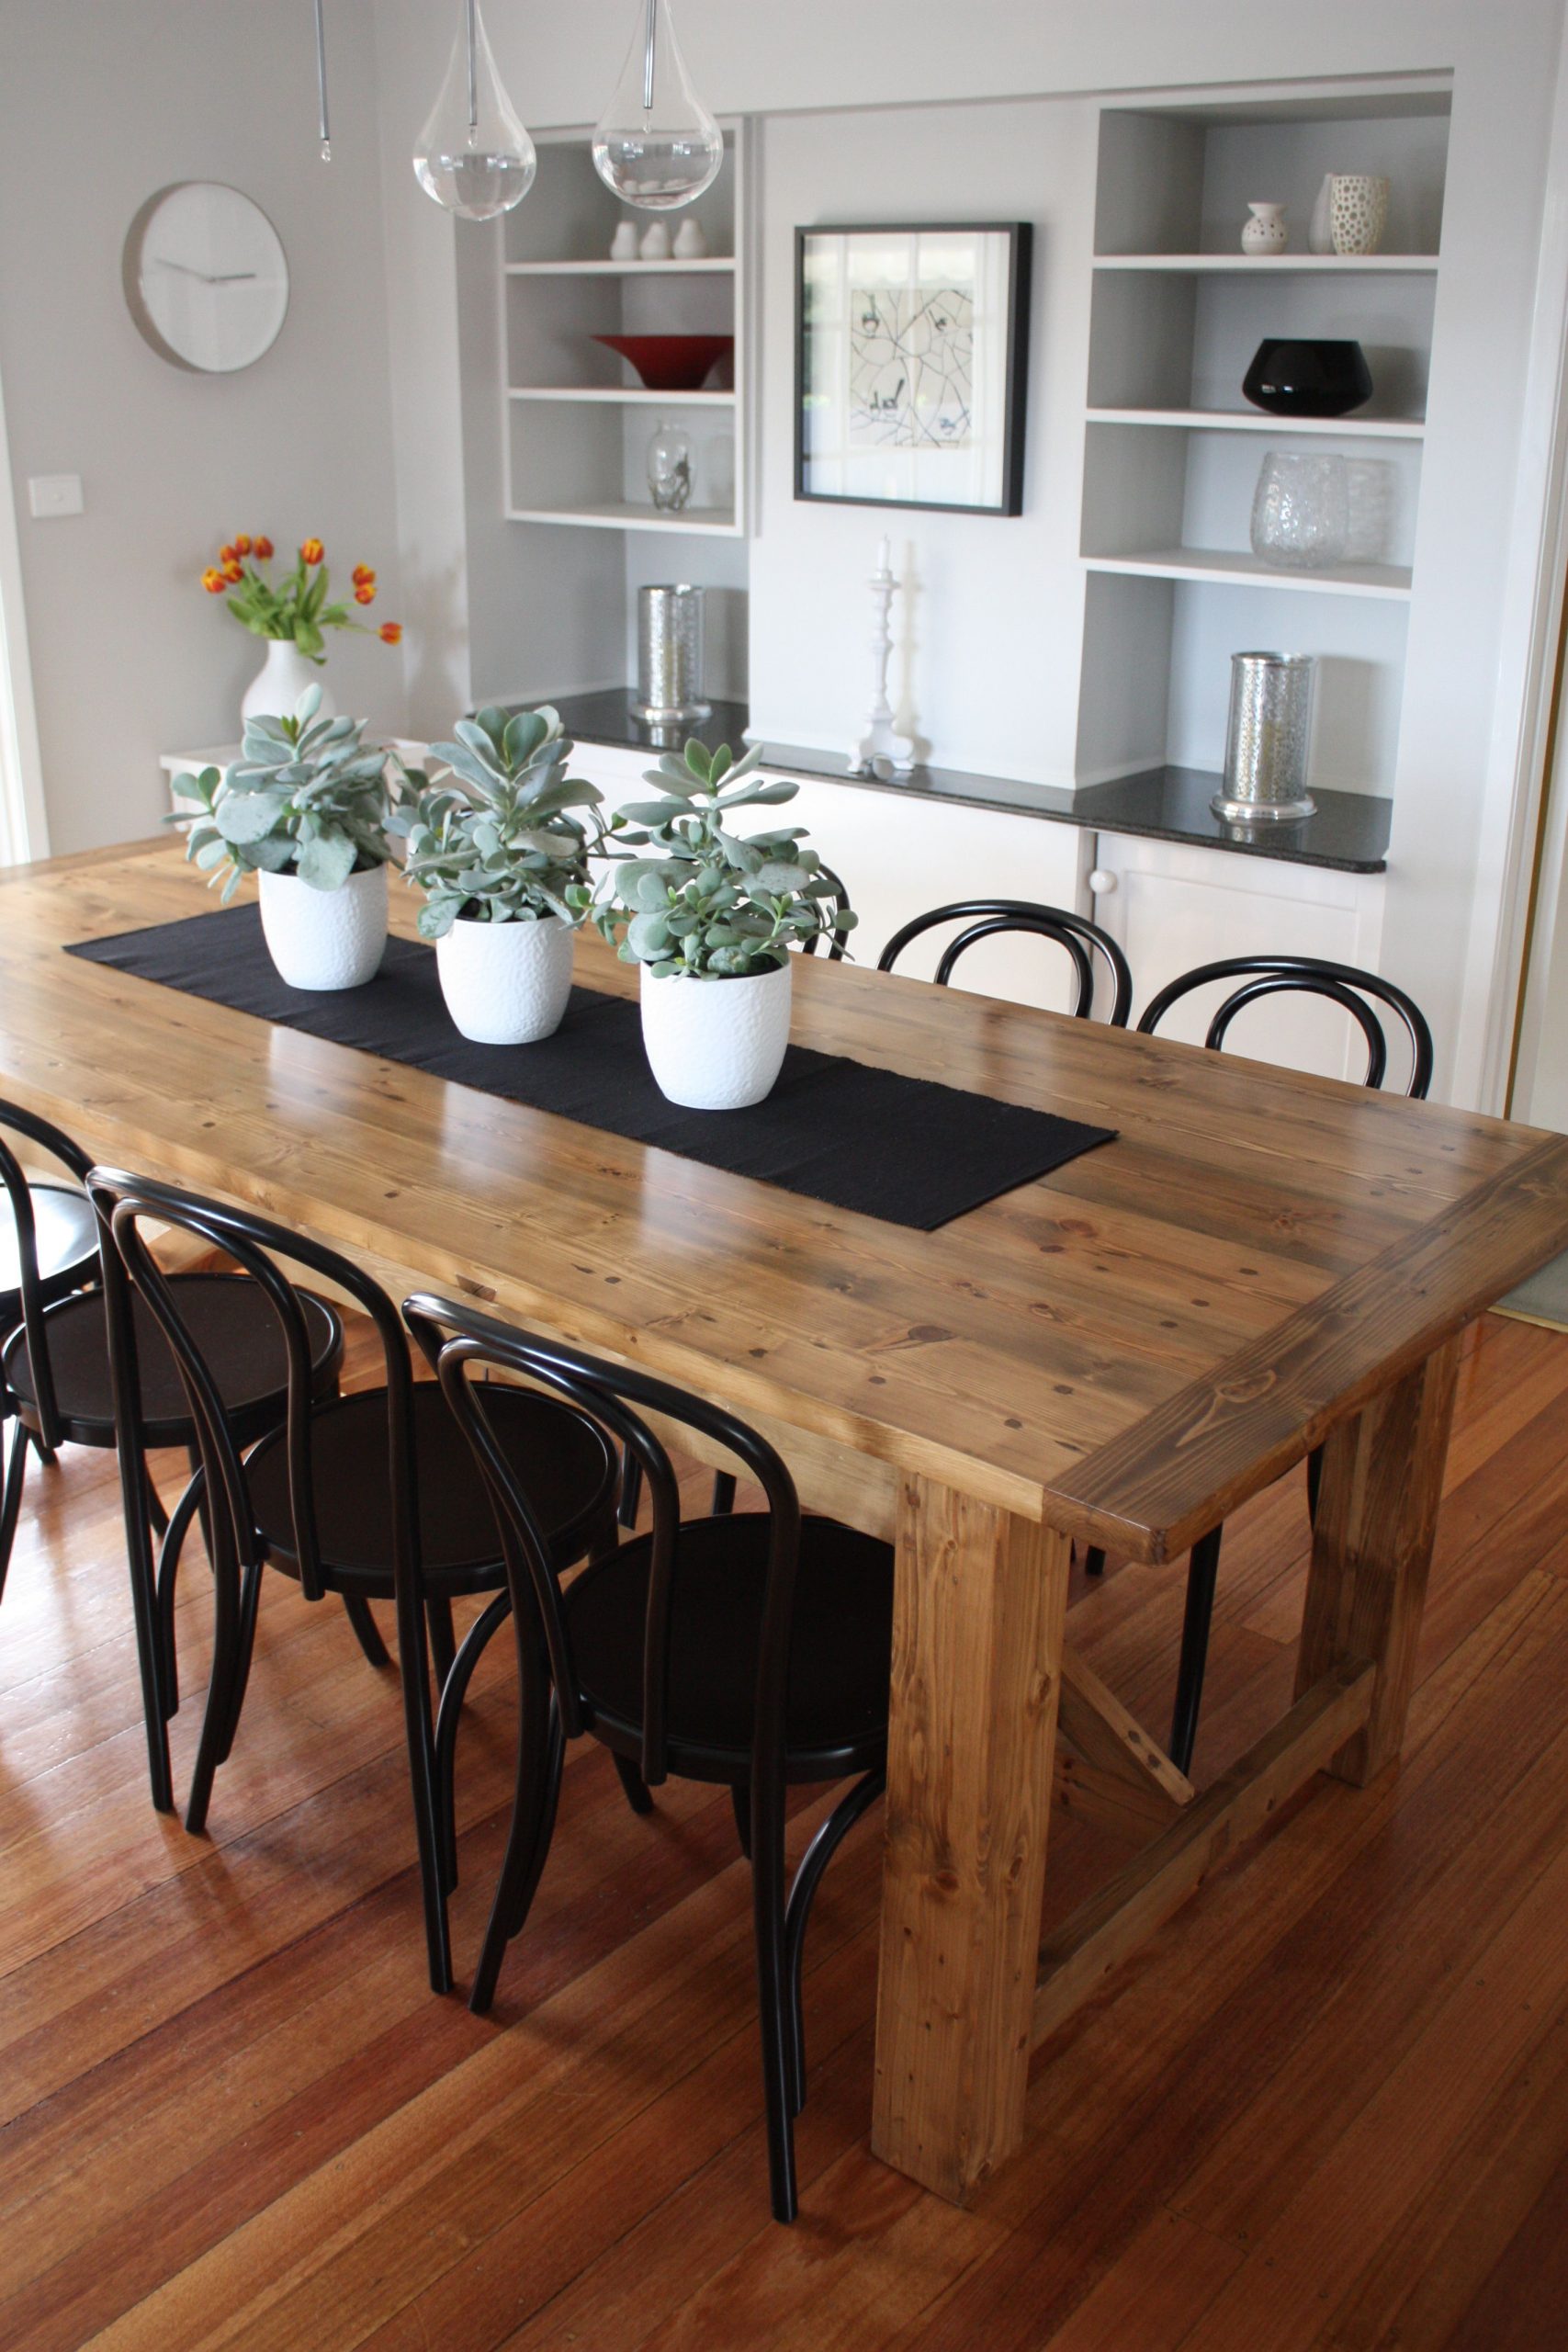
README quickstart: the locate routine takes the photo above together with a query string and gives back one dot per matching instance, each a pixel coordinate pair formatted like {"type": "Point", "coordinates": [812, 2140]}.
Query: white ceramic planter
{"type": "Point", "coordinates": [716, 1044]}
{"type": "Point", "coordinates": [506, 983]}
{"type": "Point", "coordinates": [281, 680]}
{"type": "Point", "coordinates": [325, 939]}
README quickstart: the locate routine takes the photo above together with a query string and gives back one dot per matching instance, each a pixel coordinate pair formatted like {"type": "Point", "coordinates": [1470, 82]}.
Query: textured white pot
{"type": "Point", "coordinates": [281, 680]}
{"type": "Point", "coordinates": [1358, 211]}
{"type": "Point", "coordinates": [716, 1044]}
{"type": "Point", "coordinates": [506, 983]}
{"type": "Point", "coordinates": [325, 939]}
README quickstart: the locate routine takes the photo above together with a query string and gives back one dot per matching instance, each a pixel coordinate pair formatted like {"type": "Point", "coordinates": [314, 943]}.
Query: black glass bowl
{"type": "Point", "coordinates": [1291, 378]}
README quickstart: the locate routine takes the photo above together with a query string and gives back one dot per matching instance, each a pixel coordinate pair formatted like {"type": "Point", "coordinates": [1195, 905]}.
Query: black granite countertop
{"type": "Point", "coordinates": [1349, 831]}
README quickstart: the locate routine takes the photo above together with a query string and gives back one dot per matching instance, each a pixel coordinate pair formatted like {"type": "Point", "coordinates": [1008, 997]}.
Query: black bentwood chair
{"type": "Point", "coordinates": [57, 1381]}
{"type": "Point", "coordinates": [1082, 940]}
{"type": "Point", "coordinates": [49, 1247]}
{"type": "Point", "coordinates": [839, 938]}
{"type": "Point", "coordinates": [752, 1649]}
{"type": "Point", "coordinates": [371, 1496]}
{"type": "Point", "coordinates": [1260, 977]}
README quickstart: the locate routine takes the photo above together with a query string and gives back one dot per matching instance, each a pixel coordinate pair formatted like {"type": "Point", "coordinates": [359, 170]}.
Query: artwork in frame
{"type": "Point", "coordinates": [911, 348]}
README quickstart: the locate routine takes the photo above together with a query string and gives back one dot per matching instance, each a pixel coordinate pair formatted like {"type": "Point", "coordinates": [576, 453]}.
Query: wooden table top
{"type": "Point", "coordinates": [1124, 1348]}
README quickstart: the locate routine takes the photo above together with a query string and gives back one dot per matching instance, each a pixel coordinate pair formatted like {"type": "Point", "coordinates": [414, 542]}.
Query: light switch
{"type": "Point", "coordinates": [52, 494]}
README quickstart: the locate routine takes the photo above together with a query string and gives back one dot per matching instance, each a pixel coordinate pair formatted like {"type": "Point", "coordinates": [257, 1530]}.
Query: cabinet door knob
{"type": "Point", "coordinates": [1102, 882]}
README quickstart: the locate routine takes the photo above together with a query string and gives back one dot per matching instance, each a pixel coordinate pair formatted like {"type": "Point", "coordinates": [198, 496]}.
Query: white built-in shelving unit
{"type": "Point", "coordinates": [576, 419]}
{"type": "Point", "coordinates": [1172, 451]}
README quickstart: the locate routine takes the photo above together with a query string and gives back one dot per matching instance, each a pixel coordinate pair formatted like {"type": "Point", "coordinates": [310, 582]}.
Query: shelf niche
{"type": "Point", "coordinates": [1173, 452]}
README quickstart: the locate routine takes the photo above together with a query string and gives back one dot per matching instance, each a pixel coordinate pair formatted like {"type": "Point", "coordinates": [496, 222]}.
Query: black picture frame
{"type": "Point", "coordinates": [1018, 238]}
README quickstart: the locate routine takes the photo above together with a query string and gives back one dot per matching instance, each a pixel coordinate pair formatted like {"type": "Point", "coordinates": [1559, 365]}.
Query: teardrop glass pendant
{"type": "Point", "coordinates": [656, 144]}
{"type": "Point", "coordinates": [474, 156]}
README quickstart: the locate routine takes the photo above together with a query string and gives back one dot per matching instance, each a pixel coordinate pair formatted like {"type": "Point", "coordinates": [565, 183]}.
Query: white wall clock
{"type": "Point", "coordinates": [206, 276]}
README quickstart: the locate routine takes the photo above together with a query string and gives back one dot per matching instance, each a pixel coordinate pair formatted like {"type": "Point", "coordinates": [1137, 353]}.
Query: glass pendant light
{"type": "Point", "coordinates": [474, 155]}
{"type": "Point", "coordinates": [656, 144]}
{"type": "Point", "coordinates": [326, 133]}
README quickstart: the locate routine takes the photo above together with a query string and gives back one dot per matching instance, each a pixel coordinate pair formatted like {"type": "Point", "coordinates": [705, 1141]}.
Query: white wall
{"type": "Point", "coordinates": [989, 626]}
{"type": "Point", "coordinates": [99, 106]}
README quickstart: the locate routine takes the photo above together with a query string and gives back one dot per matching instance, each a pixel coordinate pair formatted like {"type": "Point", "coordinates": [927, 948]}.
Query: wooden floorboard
{"type": "Point", "coordinates": [1326, 2108]}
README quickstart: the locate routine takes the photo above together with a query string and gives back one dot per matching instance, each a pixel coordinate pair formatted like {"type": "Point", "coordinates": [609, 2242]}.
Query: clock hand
{"type": "Point", "coordinates": [230, 278]}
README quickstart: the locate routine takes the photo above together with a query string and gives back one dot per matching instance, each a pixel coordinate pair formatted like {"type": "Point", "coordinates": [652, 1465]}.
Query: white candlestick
{"type": "Point", "coordinates": [881, 747]}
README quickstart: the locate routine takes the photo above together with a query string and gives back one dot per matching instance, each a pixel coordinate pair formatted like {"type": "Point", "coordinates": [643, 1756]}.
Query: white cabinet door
{"type": "Point", "coordinates": [1172, 907]}
{"type": "Point", "coordinates": [899, 855]}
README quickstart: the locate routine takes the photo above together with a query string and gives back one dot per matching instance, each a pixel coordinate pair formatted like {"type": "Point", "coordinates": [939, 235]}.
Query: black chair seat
{"type": "Point", "coordinates": [566, 1464]}
{"type": "Point", "coordinates": [66, 1233]}
{"type": "Point", "coordinates": [839, 1658]}
{"type": "Point", "coordinates": [240, 1337]}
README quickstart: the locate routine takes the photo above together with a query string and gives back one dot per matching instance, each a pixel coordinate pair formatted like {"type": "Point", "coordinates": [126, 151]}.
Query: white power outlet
{"type": "Point", "coordinates": [52, 494]}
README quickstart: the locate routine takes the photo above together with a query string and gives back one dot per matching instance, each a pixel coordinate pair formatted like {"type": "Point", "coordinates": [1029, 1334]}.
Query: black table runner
{"type": "Point", "coordinates": [872, 1140]}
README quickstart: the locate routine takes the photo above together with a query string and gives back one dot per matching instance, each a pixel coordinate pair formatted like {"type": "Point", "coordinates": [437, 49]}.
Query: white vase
{"type": "Point", "coordinates": [1358, 211]}
{"type": "Point", "coordinates": [1266, 231]}
{"type": "Point", "coordinates": [1320, 228]}
{"type": "Point", "coordinates": [281, 680]}
{"type": "Point", "coordinates": [506, 983]}
{"type": "Point", "coordinates": [325, 939]}
{"type": "Point", "coordinates": [716, 1044]}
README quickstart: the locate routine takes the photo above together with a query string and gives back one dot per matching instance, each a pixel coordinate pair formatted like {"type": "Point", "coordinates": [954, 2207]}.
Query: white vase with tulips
{"type": "Point", "coordinates": [292, 612]}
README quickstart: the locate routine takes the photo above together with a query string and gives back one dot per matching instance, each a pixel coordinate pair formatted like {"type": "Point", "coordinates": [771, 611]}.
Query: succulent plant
{"type": "Point", "coordinates": [495, 841]}
{"type": "Point", "coordinates": [714, 904]}
{"type": "Point", "coordinates": [305, 795]}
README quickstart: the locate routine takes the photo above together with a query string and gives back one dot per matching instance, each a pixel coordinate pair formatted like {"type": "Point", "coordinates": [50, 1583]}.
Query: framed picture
{"type": "Point", "coordinates": [911, 349]}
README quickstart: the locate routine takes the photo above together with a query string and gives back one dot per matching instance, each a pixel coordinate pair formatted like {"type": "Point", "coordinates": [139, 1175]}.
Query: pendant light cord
{"type": "Point", "coordinates": [648, 57]}
{"type": "Point", "coordinates": [321, 83]}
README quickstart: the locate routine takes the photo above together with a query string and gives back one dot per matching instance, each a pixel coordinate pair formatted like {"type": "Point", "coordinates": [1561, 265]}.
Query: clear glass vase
{"type": "Point", "coordinates": [1300, 512]}
{"type": "Point", "coordinates": [669, 468]}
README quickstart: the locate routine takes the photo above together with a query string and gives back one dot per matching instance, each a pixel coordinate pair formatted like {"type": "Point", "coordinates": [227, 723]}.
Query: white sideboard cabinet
{"type": "Point", "coordinates": [1171, 907]}
{"type": "Point", "coordinates": [899, 854]}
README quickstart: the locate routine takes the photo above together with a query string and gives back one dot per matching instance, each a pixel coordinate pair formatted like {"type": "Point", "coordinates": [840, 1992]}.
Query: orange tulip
{"type": "Point", "coordinates": [312, 550]}
{"type": "Point", "coordinates": [242, 545]}
{"type": "Point", "coordinates": [365, 595]}
{"type": "Point", "coordinates": [264, 548]}
{"type": "Point", "coordinates": [391, 632]}
{"type": "Point", "coordinates": [363, 576]}
{"type": "Point", "coordinates": [213, 582]}
{"type": "Point", "coordinates": [234, 572]}
{"type": "Point", "coordinates": [226, 554]}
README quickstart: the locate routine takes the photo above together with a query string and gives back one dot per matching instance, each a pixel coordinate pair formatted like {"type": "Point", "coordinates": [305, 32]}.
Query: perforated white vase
{"type": "Point", "coordinates": [325, 939]}
{"type": "Point", "coordinates": [716, 1044]}
{"type": "Point", "coordinates": [506, 983]}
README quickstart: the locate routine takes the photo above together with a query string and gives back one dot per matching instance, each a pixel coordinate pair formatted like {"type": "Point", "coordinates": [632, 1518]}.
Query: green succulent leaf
{"type": "Point", "coordinates": [732, 904]}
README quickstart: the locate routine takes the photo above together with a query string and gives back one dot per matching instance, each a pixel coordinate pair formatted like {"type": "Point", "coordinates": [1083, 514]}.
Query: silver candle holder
{"type": "Point", "coordinates": [670, 657]}
{"type": "Point", "coordinates": [1266, 739]}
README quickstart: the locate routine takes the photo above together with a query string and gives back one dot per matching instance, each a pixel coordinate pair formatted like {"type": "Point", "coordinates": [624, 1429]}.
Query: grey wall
{"type": "Point", "coordinates": [101, 104]}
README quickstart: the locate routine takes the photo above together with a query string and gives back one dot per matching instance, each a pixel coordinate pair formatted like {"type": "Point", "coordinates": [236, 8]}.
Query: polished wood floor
{"type": "Point", "coordinates": [1327, 2107]}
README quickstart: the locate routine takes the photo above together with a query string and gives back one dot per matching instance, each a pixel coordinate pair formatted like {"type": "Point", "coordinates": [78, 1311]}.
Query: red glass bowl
{"type": "Point", "coordinates": [672, 363]}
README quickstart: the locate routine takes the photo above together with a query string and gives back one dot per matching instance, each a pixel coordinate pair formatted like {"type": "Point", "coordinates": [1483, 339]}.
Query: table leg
{"type": "Point", "coordinates": [1377, 1516]}
{"type": "Point", "coordinates": [979, 1609]}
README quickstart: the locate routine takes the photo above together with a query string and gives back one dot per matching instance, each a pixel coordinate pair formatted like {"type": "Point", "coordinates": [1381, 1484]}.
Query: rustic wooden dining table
{"type": "Point", "coordinates": [1119, 1353]}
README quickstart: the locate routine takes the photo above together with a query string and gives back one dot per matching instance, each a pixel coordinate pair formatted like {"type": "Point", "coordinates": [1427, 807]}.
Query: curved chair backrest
{"type": "Point", "coordinates": [841, 906]}
{"type": "Point", "coordinates": [458, 1341]}
{"type": "Point", "coordinates": [1341, 984]}
{"type": "Point", "coordinates": [125, 1203]}
{"type": "Point", "coordinates": [14, 1121]}
{"type": "Point", "coordinates": [986, 917]}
